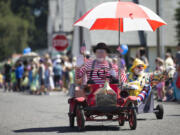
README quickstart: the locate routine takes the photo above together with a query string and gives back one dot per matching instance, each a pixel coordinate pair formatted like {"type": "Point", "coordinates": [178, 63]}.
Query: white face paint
{"type": "Point", "coordinates": [100, 59]}
{"type": "Point", "coordinates": [138, 71]}
{"type": "Point", "coordinates": [101, 55]}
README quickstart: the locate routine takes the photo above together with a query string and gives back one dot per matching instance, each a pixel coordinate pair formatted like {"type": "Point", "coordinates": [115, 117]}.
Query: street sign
{"type": "Point", "coordinates": [60, 42]}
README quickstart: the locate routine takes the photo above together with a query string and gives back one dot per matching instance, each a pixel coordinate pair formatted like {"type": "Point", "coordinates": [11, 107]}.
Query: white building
{"type": "Point", "coordinates": [63, 12]}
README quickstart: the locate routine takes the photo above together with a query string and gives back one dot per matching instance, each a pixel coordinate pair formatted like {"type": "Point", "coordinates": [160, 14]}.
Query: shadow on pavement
{"type": "Point", "coordinates": [67, 129]}
{"type": "Point", "coordinates": [174, 115]}
{"type": "Point", "coordinates": [141, 119]}
{"type": "Point", "coordinates": [144, 119]}
{"type": "Point", "coordinates": [92, 128]}
{"type": "Point", "coordinates": [40, 129]}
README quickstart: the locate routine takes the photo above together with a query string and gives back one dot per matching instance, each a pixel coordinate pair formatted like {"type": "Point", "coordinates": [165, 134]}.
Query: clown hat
{"type": "Point", "coordinates": [136, 63]}
{"type": "Point", "coordinates": [101, 46]}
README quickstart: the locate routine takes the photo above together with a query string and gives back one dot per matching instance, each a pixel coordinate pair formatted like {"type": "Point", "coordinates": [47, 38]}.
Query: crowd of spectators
{"type": "Point", "coordinates": [39, 75]}
{"type": "Point", "coordinates": [166, 73]}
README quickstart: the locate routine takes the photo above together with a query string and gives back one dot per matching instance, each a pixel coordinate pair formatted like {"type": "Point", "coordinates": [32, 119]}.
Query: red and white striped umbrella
{"type": "Point", "coordinates": [123, 16]}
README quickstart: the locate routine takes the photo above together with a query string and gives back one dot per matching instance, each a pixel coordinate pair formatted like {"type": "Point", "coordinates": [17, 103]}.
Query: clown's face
{"type": "Point", "coordinates": [101, 55]}
{"type": "Point", "coordinates": [138, 70]}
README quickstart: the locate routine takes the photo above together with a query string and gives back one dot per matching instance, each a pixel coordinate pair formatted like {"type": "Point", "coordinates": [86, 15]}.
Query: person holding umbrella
{"type": "Point", "coordinates": [120, 16]}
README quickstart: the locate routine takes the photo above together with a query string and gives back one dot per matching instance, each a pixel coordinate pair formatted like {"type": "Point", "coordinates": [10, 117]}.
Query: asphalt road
{"type": "Point", "coordinates": [21, 114]}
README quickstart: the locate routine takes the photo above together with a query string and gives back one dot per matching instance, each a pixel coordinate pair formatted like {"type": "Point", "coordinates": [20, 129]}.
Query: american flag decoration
{"type": "Point", "coordinates": [123, 76]}
{"type": "Point", "coordinates": [119, 49]}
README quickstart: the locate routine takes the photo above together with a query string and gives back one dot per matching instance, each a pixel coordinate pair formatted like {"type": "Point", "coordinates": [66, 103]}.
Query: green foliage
{"type": "Point", "coordinates": [35, 12]}
{"type": "Point", "coordinates": [13, 32]}
{"type": "Point", "coordinates": [22, 24]}
{"type": "Point", "coordinates": [177, 17]}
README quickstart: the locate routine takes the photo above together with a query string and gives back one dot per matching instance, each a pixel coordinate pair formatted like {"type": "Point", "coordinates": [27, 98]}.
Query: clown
{"type": "Point", "coordinates": [138, 80]}
{"type": "Point", "coordinates": [91, 68]}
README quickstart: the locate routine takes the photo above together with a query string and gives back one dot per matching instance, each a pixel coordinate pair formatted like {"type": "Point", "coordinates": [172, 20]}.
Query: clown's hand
{"type": "Point", "coordinates": [127, 86]}
{"type": "Point", "coordinates": [134, 87]}
{"type": "Point", "coordinates": [112, 72]}
{"type": "Point", "coordinates": [80, 61]}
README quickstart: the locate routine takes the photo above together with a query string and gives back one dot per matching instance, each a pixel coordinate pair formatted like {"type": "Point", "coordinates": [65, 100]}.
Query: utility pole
{"type": "Point", "coordinates": [55, 16]}
{"type": "Point", "coordinates": [158, 31]}
{"type": "Point", "coordinates": [80, 35]}
{"type": "Point", "coordinates": [61, 14]}
{"type": "Point", "coordinates": [142, 36]}
{"type": "Point", "coordinates": [159, 36]}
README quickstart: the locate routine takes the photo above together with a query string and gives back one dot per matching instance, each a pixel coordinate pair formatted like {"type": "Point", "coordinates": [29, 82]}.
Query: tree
{"type": "Point", "coordinates": [35, 12]}
{"type": "Point", "coordinates": [177, 17]}
{"type": "Point", "coordinates": [13, 31]}
{"type": "Point", "coordinates": [22, 24]}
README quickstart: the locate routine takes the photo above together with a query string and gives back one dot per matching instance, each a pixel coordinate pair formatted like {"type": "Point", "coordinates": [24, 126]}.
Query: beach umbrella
{"type": "Point", "coordinates": [120, 16]}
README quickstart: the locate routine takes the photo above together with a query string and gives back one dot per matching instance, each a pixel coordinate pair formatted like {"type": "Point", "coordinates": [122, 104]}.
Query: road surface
{"type": "Point", "coordinates": [21, 113]}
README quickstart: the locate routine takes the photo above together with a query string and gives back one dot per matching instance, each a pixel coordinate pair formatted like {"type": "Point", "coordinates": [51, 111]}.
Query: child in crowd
{"type": "Point", "coordinates": [35, 79]}
{"type": "Point", "coordinates": [169, 92]}
{"type": "Point", "coordinates": [25, 82]}
{"type": "Point", "coordinates": [161, 85]}
{"type": "Point", "coordinates": [13, 79]}
{"type": "Point", "coordinates": [1, 80]}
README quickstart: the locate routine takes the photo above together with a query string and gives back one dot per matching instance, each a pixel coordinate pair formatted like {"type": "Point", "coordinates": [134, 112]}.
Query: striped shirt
{"type": "Point", "coordinates": [102, 68]}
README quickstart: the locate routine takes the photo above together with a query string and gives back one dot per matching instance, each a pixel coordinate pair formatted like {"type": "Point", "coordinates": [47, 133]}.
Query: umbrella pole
{"type": "Point", "coordinates": [119, 30]}
{"type": "Point", "coordinates": [119, 33]}
{"type": "Point", "coordinates": [119, 58]}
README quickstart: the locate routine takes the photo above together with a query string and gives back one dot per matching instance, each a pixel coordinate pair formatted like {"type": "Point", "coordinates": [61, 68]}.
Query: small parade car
{"type": "Point", "coordinates": [97, 100]}
{"type": "Point", "coordinates": [113, 101]}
